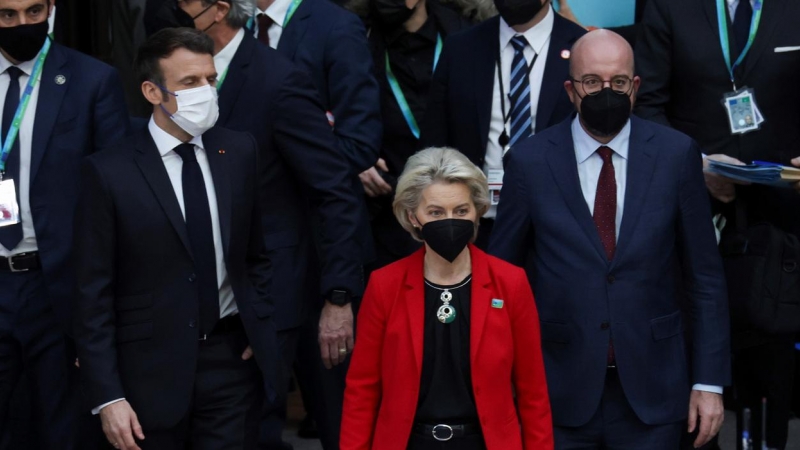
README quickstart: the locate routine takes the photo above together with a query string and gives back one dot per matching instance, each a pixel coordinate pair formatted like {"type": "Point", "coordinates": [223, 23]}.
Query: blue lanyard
{"type": "Point", "coordinates": [723, 34]}
{"type": "Point", "coordinates": [13, 132]}
{"type": "Point", "coordinates": [251, 23]}
{"type": "Point", "coordinates": [398, 92]}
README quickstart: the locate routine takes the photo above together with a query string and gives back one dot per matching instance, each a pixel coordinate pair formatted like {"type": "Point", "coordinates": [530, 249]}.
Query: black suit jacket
{"type": "Point", "coordinates": [137, 305]}
{"type": "Point", "coordinates": [269, 97]}
{"type": "Point", "coordinates": [460, 103]}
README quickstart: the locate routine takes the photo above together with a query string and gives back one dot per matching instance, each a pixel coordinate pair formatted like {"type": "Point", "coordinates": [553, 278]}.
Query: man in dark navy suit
{"type": "Point", "coordinates": [497, 83]}
{"type": "Point", "coordinates": [174, 313]}
{"type": "Point", "coordinates": [607, 212]}
{"type": "Point", "coordinates": [74, 107]}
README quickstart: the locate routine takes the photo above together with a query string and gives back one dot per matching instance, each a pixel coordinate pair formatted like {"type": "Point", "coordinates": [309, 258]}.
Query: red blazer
{"type": "Point", "coordinates": [505, 355]}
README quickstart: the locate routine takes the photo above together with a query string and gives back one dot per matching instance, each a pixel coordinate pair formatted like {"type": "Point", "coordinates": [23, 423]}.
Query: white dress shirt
{"type": "Point", "coordinates": [589, 166]}
{"type": "Point", "coordinates": [277, 12]}
{"type": "Point", "coordinates": [222, 60]}
{"type": "Point", "coordinates": [25, 138]}
{"type": "Point", "coordinates": [166, 144]}
{"type": "Point", "coordinates": [733, 4]}
{"type": "Point", "coordinates": [538, 38]}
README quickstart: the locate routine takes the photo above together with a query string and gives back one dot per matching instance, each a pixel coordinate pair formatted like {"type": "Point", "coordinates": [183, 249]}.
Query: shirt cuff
{"type": "Point", "coordinates": [707, 388]}
{"type": "Point", "coordinates": [96, 411]}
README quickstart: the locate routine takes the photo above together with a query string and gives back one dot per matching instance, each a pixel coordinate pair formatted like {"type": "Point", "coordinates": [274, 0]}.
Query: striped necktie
{"type": "Point", "coordinates": [520, 92]}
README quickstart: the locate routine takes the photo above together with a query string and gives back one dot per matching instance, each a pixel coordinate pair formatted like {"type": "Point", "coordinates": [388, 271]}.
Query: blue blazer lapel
{"type": "Point", "coordinates": [564, 166]}
{"type": "Point", "coordinates": [641, 163]}
{"type": "Point", "coordinates": [555, 68]}
{"type": "Point", "coordinates": [295, 29]}
{"type": "Point", "coordinates": [483, 82]}
{"type": "Point", "coordinates": [51, 94]}
{"type": "Point", "coordinates": [771, 14]}
{"type": "Point", "coordinates": [220, 171]}
{"type": "Point", "coordinates": [236, 77]}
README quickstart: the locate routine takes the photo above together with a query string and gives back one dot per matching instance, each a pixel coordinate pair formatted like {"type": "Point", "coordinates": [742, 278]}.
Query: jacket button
{"type": "Point", "coordinates": [604, 326]}
{"type": "Point", "coordinates": [192, 323]}
{"type": "Point", "coordinates": [192, 277]}
{"type": "Point", "coordinates": [611, 279]}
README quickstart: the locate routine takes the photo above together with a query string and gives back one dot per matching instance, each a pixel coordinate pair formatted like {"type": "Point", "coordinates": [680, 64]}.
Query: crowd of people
{"type": "Point", "coordinates": [451, 224]}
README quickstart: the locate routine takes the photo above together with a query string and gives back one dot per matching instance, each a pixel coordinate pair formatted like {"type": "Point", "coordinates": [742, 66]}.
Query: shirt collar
{"type": "Point", "coordinates": [166, 142]}
{"type": "Point", "coordinates": [585, 145]}
{"type": "Point", "coordinates": [277, 11]}
{"type": "Point", "coordinates": [223, 59]}
{"type": "Point", "coordinates": [537, 36]}
{"type": "Point", "coordinates": [25, 66]}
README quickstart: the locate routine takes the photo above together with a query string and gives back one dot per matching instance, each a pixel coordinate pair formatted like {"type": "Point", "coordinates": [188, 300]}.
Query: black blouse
{"type": "Point", "coordinates": [445, 394]}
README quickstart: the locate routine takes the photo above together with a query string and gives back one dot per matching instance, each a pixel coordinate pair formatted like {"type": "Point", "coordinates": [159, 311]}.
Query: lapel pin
{"type": "Point", "coordinates": [497, 303]}
{"type": "Point", "coordinates": [222, 152]}
{"type": "Point", "coordinates": [565, 54]}
{"type": "Point", "coordinates": [61, 79]}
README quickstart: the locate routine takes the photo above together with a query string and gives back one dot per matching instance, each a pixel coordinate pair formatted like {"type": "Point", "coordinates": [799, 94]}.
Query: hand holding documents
{"type": "Point", "coordinates": [758, 172]}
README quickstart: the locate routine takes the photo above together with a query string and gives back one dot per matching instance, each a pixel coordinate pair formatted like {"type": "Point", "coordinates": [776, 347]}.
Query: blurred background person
{"type": "Point", "coordinates": [620, 16]}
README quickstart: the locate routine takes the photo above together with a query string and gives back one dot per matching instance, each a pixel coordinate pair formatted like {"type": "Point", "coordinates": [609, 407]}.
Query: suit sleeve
{"type": "Point", "coordinates": [258, 263]}
{"type": "Point", "coordinates": [654, 62]}
{"type": "Point", "coordinates": [528, 375]}
{"type": "Point", "coordinates": [704, 278]}
{"type": "Point", "coordinates": [512, 228]}
{"type": "Point", "coordinates": [433, 131]}
{"type": "Point", "coordinates": [362, 397]}
{"type": "Point", "coordinates": [310, 151]}
{"type": "Point", "coordinates": [94, 262]}
{"type": "Point", "coordinates": [354, 94]}
{"type": "Point", "coordinates": [111, 121]}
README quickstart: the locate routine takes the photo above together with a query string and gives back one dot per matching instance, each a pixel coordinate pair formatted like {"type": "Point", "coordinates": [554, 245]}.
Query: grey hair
{"type": "Point", "coordinates": [241, 11]}
{"type": "Point", "coordinates": [437, 165]}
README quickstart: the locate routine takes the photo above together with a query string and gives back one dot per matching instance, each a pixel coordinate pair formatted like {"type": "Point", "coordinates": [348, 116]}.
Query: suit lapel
{"type": "Point", "coordinates": [641, 163]}
{"type": "Point", "coordinates": [710, 10]}
{"type": "Point", "coordinates": [51, 95]}
{"type": "Point", "coordinates": [414, 299]}
{"type": "Point", "coordinates": [555, 68]}
{"type": "Point", "coordinates": [772, 10]}
{"type": "Point", "coordinates": [236, 77]}
{"type": "Point", "coordinates": [479, 303]}
{"type": "Point", "coordinates": [564, 166]}
{"type": "Point", "coordinates": [220, 172]}
{"type": "Point", "coordinates": [152, 167]}
{"type": "Point", "coordinates": [485, 68]}
{"type": "Point", "coordinates": [295, 30]}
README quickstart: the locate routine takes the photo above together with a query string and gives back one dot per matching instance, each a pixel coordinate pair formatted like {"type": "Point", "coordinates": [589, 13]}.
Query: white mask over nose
{"type": "Point", "coordinates": [198, 109]}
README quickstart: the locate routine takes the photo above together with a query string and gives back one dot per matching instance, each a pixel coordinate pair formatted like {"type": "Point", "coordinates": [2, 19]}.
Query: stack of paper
{"type": "Point", "coordinates": [758, 172]}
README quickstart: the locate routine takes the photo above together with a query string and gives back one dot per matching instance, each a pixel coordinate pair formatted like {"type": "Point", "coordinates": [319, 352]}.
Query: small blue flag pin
{"type": "Point", "coordinates": [497, 303]}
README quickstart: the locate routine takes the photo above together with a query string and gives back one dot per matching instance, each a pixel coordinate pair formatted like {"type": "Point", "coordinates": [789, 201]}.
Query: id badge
{"type": "Point", "coordinates": [495, 179]}
{"type": "Point", "coordinates": [743, 113]}
{"type": "Point", "coordinates": [9, 209]}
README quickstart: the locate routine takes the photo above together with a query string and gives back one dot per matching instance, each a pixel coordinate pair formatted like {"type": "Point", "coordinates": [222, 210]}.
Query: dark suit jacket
{"type": "Point", "coordinates": [269, 97]}
{"type": "Point", "coordinates": [583, 299]}
{"type": "Point", "coordinates": [79, 117]}
{"type": "Point", "coordinates": [460, 104]}
{"type": "Point", "coordinates": [137, 307]}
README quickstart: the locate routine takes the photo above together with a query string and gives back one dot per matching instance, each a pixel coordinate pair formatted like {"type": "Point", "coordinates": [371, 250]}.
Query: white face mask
{"type": "Point", "coordinates": [197, 109]}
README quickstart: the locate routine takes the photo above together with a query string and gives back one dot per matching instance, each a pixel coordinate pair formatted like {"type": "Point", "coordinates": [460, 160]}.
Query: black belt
{"type": "Point", "coordinates": [227, 324]}
{"type": "Point", "coordinates": [444, 432]}
{"type": "Point", "coordinates": [21, 262]}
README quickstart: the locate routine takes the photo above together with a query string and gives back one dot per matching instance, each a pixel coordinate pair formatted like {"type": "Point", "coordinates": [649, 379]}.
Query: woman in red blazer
{"type": "Point", "coordinates": [447, 352]}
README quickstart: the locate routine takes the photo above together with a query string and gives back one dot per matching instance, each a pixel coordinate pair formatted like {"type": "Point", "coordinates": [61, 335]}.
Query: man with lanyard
{"type": "Point", "coordinates": [725, 73]}
{"type": "Point", "coordinates": [265, 94]}
{"type": "Point", "coordinates": [57, 106]}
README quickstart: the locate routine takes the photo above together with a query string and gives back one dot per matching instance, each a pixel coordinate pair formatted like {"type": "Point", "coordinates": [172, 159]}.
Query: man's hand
{"type": "Point", "coordinates": [120, 424]}
{"type": "Point", "coordinates": [247, 354]}
{"type": "Point", "coordinates": [796, 163]}
{"type": "Point", "coordinates": [374, 184]}
{"type": "Point", "coordinates": [335, 333]}
{"type": "Point", "coordinates": [721, 188]}
{"type": "Point", "coordinates": [707, 408]}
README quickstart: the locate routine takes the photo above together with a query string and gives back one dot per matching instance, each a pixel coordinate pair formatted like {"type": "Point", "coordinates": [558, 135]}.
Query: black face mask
{"type": "Point", "coordinates": [516, 12]}
{"type": "Point", "coordinates": [390, 14]}
{"type": "Point", "coordinates": [170, 15]}
{"type": "Point", "coordinates": [448, 237]}
{"type": "Point", "coordinates": [606, 112]}
{"type": "Point", "coordinates": [23, 42]}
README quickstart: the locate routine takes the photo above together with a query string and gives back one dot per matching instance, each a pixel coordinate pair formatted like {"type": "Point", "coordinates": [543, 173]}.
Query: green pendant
{"type": "Point", "coordinates": [446, 314]}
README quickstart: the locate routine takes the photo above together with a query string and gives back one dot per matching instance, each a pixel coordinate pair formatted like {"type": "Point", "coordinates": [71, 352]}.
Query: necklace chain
{"type": "Point", "coordinates": [450, 288]}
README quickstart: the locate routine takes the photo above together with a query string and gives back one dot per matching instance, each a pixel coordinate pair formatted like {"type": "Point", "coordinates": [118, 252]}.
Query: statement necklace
{"type": "Point", "coordinates": [447, 313]}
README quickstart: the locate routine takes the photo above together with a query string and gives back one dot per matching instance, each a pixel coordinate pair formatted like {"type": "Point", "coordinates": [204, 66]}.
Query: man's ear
{"type": "Point", "coordinates": [223, 8]}
{"type": "Point", "coordinates": [152, 93]}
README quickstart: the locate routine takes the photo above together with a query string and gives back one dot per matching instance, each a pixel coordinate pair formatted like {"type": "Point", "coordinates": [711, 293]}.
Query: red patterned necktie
{"type": "Point", "coordinates": [264, 22]}
{"type": "Point", "coordinates": [605, 215]}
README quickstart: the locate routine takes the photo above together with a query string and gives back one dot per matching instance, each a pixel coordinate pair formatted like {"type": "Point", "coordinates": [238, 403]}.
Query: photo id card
{"type": "Point", "coordinates": [9, 209]}
{"type": "Point", "coordinates": [743, 113]}
{"type": "Point", "coordinates": [495, 179]}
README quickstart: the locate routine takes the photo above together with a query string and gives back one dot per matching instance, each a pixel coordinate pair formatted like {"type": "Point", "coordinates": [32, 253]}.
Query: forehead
{"type": "Point", "coordinates": [443, 194]}
{"type": "Point", "coordinates": [21, 5]}
{"type": "Point", "coordinates": [182, 63]}
{"type": "Point", "coordinates": [604, 60]}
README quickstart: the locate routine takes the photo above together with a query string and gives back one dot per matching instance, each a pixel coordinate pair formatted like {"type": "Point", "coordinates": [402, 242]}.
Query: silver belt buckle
{"type": "Point", "coordinates": [444, 428]}
{"type": "Point", "coordinates": [11, 263]}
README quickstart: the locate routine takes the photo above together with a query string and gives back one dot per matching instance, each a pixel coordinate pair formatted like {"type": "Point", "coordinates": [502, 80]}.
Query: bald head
{"type": "Point", "coordinates": [598, 51]}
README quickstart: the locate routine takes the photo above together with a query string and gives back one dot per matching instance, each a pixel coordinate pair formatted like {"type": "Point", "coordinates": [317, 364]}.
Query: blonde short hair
{"type": "Point", "coordinates": [437, 165]}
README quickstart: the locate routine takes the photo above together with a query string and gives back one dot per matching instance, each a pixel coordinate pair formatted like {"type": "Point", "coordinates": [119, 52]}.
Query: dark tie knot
{"type": "Point", "coordinates": [605, 153]}
{"type": "Point", "coordinates": [186, 152]}
{"type": "Point", "coordinates": [519, 42]}
{"type": "Point", "coordinates": [14, 72]}
{"type": "Point", "coordinates": [264, 20]}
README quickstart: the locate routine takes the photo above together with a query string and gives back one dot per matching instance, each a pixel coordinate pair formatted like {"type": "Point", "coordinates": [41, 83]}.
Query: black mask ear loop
{"type": "Point", "coordinates": [504, 139]}
{"type": "Point", "coordinates": [203, 12]}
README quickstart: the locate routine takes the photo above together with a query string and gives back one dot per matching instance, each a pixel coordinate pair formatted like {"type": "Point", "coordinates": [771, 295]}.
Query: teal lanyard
{"type": "Point", "coordinates": [723, 34]}
{"type": "Point", "coordinates": [398, 92]}
{"type": "Point", "coordinates": [13, 132]}
{"type": "Point", "coordinates": [251, 23]}
{"type": "Point", "coordinates": [221, 79]}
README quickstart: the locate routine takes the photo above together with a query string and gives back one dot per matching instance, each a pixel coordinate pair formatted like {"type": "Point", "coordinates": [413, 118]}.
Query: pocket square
{"type": "Point", "coordinates": [787, 49]}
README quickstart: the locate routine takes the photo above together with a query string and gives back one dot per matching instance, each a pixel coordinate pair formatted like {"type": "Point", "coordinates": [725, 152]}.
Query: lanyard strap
{"type": "Point", "coordinates": [723, 34]}
{"type": "Point", "coordinates": [221, 79]}
{"type": "Point", "coordinates": [13, 132]}
{"type": "Point", "coordinates": [398, 92]}
{"type": "Point", "coordinates": [251, 23]}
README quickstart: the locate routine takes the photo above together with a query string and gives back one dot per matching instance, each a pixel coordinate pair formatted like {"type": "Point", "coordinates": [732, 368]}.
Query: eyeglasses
{"type": "Point", "coordinates": [592, 84]}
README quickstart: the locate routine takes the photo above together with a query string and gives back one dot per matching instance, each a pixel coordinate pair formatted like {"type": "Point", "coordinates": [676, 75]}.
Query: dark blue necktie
{"type": "Point", "coordinates": [201, 237]}
{"type": "Point", "coordinates": [11, 235]}
{"type": "Point", "coordinates": [741, 25]}
{"type": "Point", "coordinates": [519, 92]}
